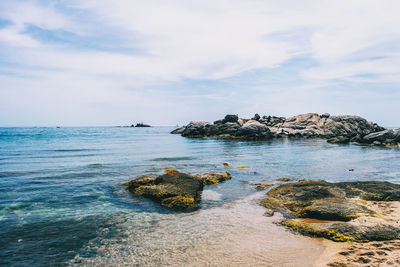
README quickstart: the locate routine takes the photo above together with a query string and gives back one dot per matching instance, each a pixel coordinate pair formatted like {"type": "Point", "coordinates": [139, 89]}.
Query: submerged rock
{"type": "Point", "coordinates": [347, 207]}
{"type": "Point", "coordinates": [284, 179]}
{"type": "Point", "coordinates": [260, 187]}
{"type": "Point", "coordinates": [210, 178]}
{"type": "Point", "coordinates": [175, 190]}
{"type": "Point", "coordinates": [339, 140]}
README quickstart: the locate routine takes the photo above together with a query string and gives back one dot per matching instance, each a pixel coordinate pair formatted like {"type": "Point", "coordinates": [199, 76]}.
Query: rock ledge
{"type": "Point", "coordinates": [345, 211]}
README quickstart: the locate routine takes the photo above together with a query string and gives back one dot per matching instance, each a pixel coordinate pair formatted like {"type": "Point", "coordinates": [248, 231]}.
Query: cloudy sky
{"type": "Point", "coordinates": [113, 62]}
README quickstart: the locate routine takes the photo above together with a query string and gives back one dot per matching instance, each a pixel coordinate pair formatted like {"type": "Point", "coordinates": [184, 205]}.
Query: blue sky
{"type": "Point", "coordinates": [103, 62]}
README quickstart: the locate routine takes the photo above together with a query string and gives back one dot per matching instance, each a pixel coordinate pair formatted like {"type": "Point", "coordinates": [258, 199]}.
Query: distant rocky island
{"type": "Point", "coordinates": [336, 129]}
{"type": "Point", "coordinates": [139, 124]}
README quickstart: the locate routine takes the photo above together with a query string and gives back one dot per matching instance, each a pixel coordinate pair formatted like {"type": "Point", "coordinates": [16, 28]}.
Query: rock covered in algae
{"type": "Point", "coordinates": [261, 186]}
{"type": "Point", "coordinates": [210, 178]}
{"type": "Point", "coordinates": [175, 190]}
{"type": "Point", "coordinates": [345, 211]}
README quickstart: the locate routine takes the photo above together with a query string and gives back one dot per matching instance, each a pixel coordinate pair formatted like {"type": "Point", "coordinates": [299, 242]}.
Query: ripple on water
{"type": "Point", "coordinates": [236, 234]}
{"type": "Point", "coordinates": [61, 196]}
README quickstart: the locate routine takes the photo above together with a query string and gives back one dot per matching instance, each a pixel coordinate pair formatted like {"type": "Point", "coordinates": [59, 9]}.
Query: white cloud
{"type": "Point", "coordinates": [207, 40]}
{"type": "Point", "coordinates": [171, 41]}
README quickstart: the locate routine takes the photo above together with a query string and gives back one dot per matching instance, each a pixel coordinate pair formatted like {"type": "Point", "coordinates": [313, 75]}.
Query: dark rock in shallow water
{"type": "Point", "coordinates": [338, 140]}
{"type": "Point", "coordinates": [196, 129]}
{"type": "Point", "coordinates": [175, 190]}
{"type": "Point", "coordinates": [348, 202]}
{"type": "Point", "coordinates": [336, 129]}
{"type": "Point", "coordinates": [284, 179]}
{"type": "Point", "coordinates": [261, 186]}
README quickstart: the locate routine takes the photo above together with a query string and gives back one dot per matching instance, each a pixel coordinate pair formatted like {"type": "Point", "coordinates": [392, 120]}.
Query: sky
{"type": "Point", "coordinates": [118, 62]}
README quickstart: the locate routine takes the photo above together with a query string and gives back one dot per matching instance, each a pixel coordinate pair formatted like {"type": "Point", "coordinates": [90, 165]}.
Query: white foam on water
{"type": "Point", "coordinates": [211, 195]}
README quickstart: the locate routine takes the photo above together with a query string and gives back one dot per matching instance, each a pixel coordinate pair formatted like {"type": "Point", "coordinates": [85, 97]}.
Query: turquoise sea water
{"type": "Point", "coordinates": [62, 203]}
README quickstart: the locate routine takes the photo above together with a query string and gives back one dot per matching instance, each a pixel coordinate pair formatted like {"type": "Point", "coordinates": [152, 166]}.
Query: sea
{"type": "Point", "coordinates": [62, 202]}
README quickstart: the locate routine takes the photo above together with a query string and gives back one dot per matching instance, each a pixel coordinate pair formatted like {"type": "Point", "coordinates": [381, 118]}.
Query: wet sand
{"type": "Point", "coordinates": [379, 253]}
{"type": "Point", "coordinates": [235, 234]}
{"type": "Point", "coordinates": [383, 253]}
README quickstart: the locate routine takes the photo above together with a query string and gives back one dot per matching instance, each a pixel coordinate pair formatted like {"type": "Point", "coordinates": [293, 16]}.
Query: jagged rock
{"type": "Point", "coordinates": [179, 130]}
{"type": "Point", "coordinates": [230, 118]}
{"type": "Point", "coordinates": [256, 117]}
{"type": "Point", "coordinates": [325, 115]}
{"type": "Point", "coordinates": [336, 129]}
{"type": "Point", "coordinates": [196, 129]}
{"type": "Point", "coordinates": [228, 128]}
{"type": "Point", "coordinates": [387, 136]}
{"type": "Point", "coordinates": [175, 190]}
{"type": "Point", "coordinates": [217, 122]}
{"type": "Point", "coordinates": [254, 130]}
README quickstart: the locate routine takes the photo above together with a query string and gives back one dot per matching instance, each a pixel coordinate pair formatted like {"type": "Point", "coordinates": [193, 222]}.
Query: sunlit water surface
{"type": "Point", "coordinates": [62, 203]}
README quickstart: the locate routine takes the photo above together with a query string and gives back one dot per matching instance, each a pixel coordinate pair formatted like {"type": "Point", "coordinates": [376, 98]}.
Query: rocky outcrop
{"type": "Point", "coordinates": [345, 211]}
{"type": "Point", "coordinates": [336, 129]}
{"type": "Point", "coordinates": [228, 127]}
{"type": "Point", "coordinates": [175, 190]}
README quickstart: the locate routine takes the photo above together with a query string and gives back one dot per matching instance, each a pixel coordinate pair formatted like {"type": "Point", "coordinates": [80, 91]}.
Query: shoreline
{"type": "Point", "coordinates": [378, 251]}
{"type": "Point", "coordinates": [363, 218]}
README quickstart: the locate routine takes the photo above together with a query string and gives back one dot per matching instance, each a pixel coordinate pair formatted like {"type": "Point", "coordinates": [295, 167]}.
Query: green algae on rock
{"type": "Point", "coordinates": [261, 186]}
{"type": "Point", "coordinates": [347, 205]}
{"type": "Point", "coordinates": [175, 190]}
{"type": "Point", "coordinates": [210, 178]}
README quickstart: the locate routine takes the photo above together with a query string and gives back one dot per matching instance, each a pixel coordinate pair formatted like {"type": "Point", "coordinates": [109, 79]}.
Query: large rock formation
{"type": "Point", "coordinates": [175, 190]}
{"type": "Point", "coordinates": [336, 129]}
{"type": "Point", "coordinates": [346, 211]}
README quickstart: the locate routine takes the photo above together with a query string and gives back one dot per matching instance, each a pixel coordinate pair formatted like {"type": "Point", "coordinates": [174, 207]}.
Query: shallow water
{"type": "Point", "coordinates": [61, 202]}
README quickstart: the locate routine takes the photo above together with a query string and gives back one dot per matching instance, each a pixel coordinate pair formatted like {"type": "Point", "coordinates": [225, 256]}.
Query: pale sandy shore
{"type": "Point", "coordinates": [378, 253]}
